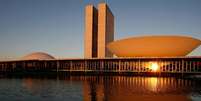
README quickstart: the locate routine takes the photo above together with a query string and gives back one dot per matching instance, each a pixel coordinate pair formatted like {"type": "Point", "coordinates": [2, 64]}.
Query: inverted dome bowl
{"type": "Point", "coordinates": [154, 46]}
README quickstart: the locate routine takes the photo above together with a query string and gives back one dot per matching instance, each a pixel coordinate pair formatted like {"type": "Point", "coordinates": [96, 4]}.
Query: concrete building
{"type": "Point", "coordinates": [38, 56]}
{"type": "Point", "coordinates": [91, 32]}
{"type": "Point", "coordinates": [99, 31]}
{"type": "Point", "coordinates": [105, 30]}
{"type": "Point", "coordinates": [154, 46]}
{"type": "Point", "coordinates": [99, 39]}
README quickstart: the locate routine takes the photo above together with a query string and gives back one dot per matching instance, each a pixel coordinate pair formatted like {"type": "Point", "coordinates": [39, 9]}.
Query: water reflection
{"type": "Point", "coordinates": [103, 88]}
{"type": "Point", "coordinates": [137, 88]}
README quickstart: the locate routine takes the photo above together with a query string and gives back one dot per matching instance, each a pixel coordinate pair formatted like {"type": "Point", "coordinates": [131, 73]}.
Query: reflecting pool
{"type": "Point", "coordinates": [99, 88]}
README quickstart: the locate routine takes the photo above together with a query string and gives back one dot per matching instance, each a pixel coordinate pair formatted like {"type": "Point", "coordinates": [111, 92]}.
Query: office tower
{"type": "Point", "coordinates": [105, 30]}
{"type": "Point", "coordinates": [99, 31]}
{"type": "Point", "coordinates": [91, 31]}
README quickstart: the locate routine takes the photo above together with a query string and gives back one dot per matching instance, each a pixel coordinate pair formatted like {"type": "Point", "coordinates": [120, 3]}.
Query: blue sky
{"type": "Point", "coordinates": [57, 26]}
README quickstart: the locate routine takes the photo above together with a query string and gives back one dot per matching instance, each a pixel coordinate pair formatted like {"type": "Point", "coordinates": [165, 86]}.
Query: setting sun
{"type": "Point", "coordinates": [154, 66]}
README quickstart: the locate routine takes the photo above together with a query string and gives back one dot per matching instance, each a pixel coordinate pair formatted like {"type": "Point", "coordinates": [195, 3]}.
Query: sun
{"type": "Point", "coordinates": [154, 66]}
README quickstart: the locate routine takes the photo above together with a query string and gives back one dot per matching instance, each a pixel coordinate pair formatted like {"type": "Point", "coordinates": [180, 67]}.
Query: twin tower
{"type": "Point", "coordinates": [99, 31]}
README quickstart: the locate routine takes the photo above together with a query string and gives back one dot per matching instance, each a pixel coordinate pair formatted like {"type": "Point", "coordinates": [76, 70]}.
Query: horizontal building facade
{"type": "Point", "coordinates": [115, 65]}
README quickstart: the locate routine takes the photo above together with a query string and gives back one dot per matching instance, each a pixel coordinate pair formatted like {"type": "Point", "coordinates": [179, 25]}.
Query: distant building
{"type": "Point", "coordinates": [99, 31]}
{"type": "Point", "coordinates": [38, 56]}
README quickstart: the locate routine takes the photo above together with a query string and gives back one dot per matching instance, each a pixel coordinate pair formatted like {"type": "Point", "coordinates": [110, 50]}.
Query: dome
{"type": "Point", "coordinates": [154, 46]}
{"type": "Point", "coordinates": [38, 56]}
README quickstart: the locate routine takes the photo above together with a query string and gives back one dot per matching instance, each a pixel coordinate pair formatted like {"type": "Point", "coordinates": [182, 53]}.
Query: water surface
{"type": "Point", "coordinates": [99, 88]}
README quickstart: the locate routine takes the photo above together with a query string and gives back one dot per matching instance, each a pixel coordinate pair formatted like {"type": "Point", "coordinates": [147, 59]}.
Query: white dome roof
{"type": "Point", "coordinates": [38, 56]}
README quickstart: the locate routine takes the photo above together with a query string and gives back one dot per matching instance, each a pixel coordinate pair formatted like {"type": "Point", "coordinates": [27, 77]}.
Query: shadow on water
{"type": "Point", "coordinates": [98, 88]}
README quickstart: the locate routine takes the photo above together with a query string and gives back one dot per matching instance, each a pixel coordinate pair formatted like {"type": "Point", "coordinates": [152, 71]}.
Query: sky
{"type": "Point", "coordinates": [57, 26]}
